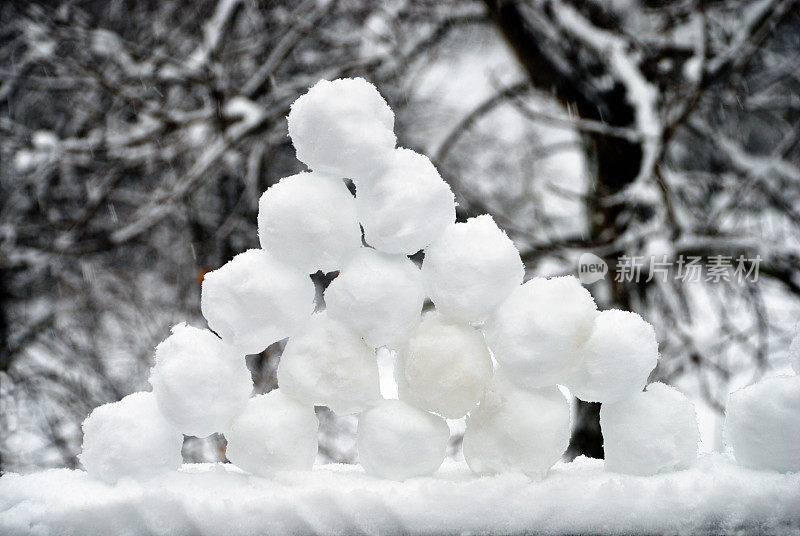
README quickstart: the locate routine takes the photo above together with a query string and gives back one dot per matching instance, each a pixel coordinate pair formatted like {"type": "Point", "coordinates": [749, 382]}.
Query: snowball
{"type": "Point", "coordinates": [343, 127]}
{"type": "Point", "coordinates": [200, 383]}
{"type": "Point", "coordinates": [274, 433]}
{"type": "Point", "coordinates": [650, 432]}
{"type": "Point", "coordinates": [471, 268]}
{"type": "Point", "coordinates": [129, 438]}
{"type": "Point", "coordinates": [444, 367]}
{"type": "Point", "coordinates": [253, 301]}
{"type": "Point", "coordinates": [516, 430]}
{"type": "Point", "coordinates": [309, 221]}
{"type": "Point", "coordinates": [378, 295]}
{"type": "Point", "coordinates": [536, 332]}
{"type": "Point", "coordinates": [407, 206]}
{"type": "Point", "coordinates": [794, 353]}
{"type": "Point", "coordinates": [328, 364]}
{"type": "Point", "coordinates": [616, 359]}
{"type": "Point", "coordinates": [762, 424]}
{"type": "Point", "coordinates": [398, 441]}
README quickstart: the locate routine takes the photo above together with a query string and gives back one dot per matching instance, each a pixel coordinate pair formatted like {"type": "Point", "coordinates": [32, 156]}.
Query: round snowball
{"type": "Point", "coordinates": [129, 438]}
{"type": "Point", "coordinates": [407, 206]}
{"type": "Point", "coordinates": [253, 300]}
{"type": "Point", "coordinates": [471, 268]}
{"type": "Point", "coordinates": [616, 359]}
{"type": "Point", "coordinates": [516, 430]}
{"type": "Point", "coordinates": [762, 425]}
{"type": "Point", "coordinates": [444, 367]}
{"type": "Point", "coordinates": [342, 127]}
{"type": "Point", "coordinates": [536, 332]}
{"type": "Point", "coordinates": [328, 364]}
{"type": "Point", "coordinates": [650, 432]}
{"type": "Point", "coordinates": [398, 441]}
{"type": "Point", "coordinates": [274, 433]}
{"type": "Point", "coordinates": [380, 296]}
{"type": "Point", "coordinates": [199, 382]}
{"type": "Point", "coordinates": [309, 221]}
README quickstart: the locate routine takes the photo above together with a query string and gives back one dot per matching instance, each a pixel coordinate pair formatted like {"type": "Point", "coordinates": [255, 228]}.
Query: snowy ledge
{"type": "Point", "coordinates": [714, 497]}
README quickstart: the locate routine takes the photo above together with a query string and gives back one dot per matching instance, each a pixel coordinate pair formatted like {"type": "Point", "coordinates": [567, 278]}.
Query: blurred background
{"type": "Point", "coordinates": [136, 137]}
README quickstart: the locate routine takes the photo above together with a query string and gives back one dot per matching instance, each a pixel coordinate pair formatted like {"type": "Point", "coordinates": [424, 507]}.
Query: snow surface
{"type": "Point", "coordinates": [328, 364]}
{"type": "Point", "coordinates": [444, 367]}
{"type": "Point", "coordinates": [650, 432]}
{"type": "Point", "coordinates": [129, 438]}
{"type": "Point", "coordinates": [274, 432]}
{"type": "Point", "coordinates": [536, 333]}
{"type": "Point", "coordinates": [398, 441]}
{"type": "Point", "coordinates": [713, 497]}
{"type": "Point", "coordinates": [199, 382]}
{"type": "Point", "coordinates": [380, 296]}
{"type": "Point", "coordinates": [612, 366]}
{"type": "Point", "coordinates": [406, 206]}
{"type": "Point", "coordinates": [471, 268]}
{"type": "Point", "coordinates": [309, 221]}
{"type": "Point", "coordinates": [342, 127]}
{"type": "Point", "coordinates": [253, 300]}
{"type": "Point", "coordinates": [762, 424]}
{"type": "Point", "coordinates": [517, 429]}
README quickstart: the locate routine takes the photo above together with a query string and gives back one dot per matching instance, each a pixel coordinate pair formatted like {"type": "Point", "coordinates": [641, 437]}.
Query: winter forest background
{"type": "Point", "coordinates": [136, 138]}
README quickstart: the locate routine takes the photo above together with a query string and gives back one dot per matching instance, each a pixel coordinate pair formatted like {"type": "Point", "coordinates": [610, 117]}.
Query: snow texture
{"type": "Point", "coordinates": [444, 367]}
{"type": "Point", "coordinates": [200, 383]}
{"type": "Point", "coordinates": [762, 424]}
{"type": "Point", "coordinates": [309, 221]}
{"type": "Point", "coordinates": [517, 430]}
{"type": "Point", "coordinates": [398, 441]}
{"type": "Point", "coordinates": [616, 359]}
{"type": "Point", "coordinates": [253, 301]}
{"type": "Point", "coordinates": [328, 364]}
{"type": "Point", "coordinates": [129, 438]}
{"type": "Point", "coordinates": [650, 432]}
{"type": "Point", "coordinates": [378, 295]}
{"type": "Point", "coordinates": [536, 332]}
{"type": "Point", "coordinates": [274, 433]}
{"type": "Point", "coordinates": [406, 206]}
{"type": "Point", "coordinates": [342, 127]}
{"type": "Point", "coordinates": [471, 268]}
{"type": "Point", "coordinates": [794, 353]}
{"type": "Point", "coordinates": [713, 497]}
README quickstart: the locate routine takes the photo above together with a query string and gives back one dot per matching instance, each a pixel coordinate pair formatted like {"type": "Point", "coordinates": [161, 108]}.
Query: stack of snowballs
{"type": "Point", "coordinates": [494, 349]}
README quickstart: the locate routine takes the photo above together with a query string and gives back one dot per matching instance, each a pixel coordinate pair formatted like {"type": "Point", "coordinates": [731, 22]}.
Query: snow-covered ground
{"type": "Point", "coordinates": [713, 497]}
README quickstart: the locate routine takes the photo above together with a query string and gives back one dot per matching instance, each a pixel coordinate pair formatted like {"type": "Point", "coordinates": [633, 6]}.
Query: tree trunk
{"type": "Point", "coordinates": [616, 162]}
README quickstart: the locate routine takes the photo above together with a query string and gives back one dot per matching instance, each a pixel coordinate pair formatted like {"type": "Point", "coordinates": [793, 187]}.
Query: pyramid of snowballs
{"type": "Point", "coordinates": [540, 334]}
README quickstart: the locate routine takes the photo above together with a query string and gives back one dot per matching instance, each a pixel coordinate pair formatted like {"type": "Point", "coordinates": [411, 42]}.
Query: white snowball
{"type": "Point", "coordinates": [380, 296]}
{"type": "Point", "coordinates": [398, 441]}
{"type": "Point", "coordinates": [407, 206]}
{"type": "Point", "coordinates": [274, 433]}
{"type": "Point", "coordinates": [650, 432]}
{"type": "Point", "coordinates": [129, 438]}
{"type": "Point", "coordinates": [536, 332]}
{"type": "Point", "coordinates": [200, 383]}
{"type": "Point", "coordinates": [328, 364]}
{"type": "Point", "coordinates": [253, 300]}
{"type": "Point", "coordinates": [309, 221]}
{"type": "Point", "coordinates": [516, 429]}
{"type": "Point", "coordinates": [616, 359]}
{"type": "Point", "coordinates": [343, 127]}
{"type": "Point", "coordinates": [762, 424]}
{"type": "Point", "coordinates": [444, 367]}
{"type": "Point", "coordinates": [794, 353]}
{"type": "Point", "coordinates": [471, 268]}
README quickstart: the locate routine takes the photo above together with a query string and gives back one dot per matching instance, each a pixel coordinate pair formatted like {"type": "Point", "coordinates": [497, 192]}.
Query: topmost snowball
{"type": "Point", "coordinates": [343, 127]}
